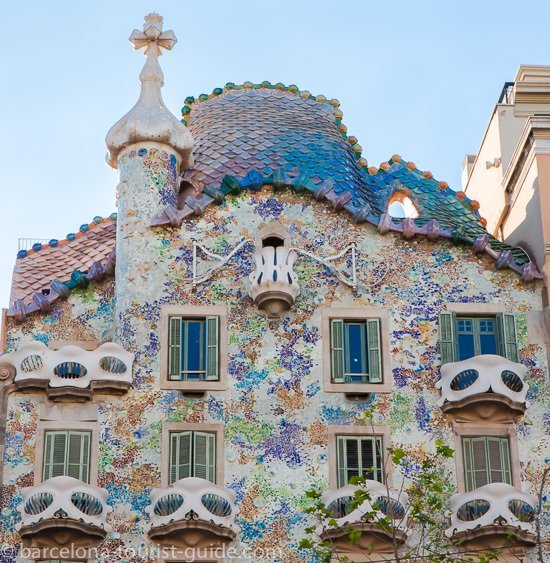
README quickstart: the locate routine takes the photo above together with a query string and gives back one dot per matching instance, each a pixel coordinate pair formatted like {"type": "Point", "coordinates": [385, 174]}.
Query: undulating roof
{"type": "Point", "coordinates": [261, 134]}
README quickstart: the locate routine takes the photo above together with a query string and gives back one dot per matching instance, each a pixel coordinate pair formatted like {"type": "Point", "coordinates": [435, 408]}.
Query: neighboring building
{"type": "Point", "coordinates": [268, 287]}
{"type": "Point", "coordinates": [510, 175]}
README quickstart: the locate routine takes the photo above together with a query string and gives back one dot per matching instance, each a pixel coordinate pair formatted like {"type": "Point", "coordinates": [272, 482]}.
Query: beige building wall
{"type": "Point", "coordinates": [523, 225]}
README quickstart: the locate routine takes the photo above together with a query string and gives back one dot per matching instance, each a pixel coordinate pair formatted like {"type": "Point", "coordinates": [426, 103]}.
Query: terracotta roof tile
{"type": "Point", "coordinates": [36, 271]}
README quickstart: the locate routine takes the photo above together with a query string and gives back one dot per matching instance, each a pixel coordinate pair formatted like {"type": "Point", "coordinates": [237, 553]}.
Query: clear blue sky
{"type": "Point", "coordinates": [415, 78]}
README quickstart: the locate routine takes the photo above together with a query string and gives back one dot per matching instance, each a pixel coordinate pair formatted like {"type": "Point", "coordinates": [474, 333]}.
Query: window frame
{"type": "Point", "coordinates": [328, 314]}
{"type": "Point", "coordinates": [489, 430]}
{"type": "Point", "coordinates": [192, 453]}
{"type": "Point", "coordinates": [66, 462]}
{"type": "Point", "coordinates": [335, 431]}
{"type": "Point", "coordinates": [473, 310]}
{"type": "Point", "coordinates": [66, 425]}
{"type": "Point", "coordinates": [189, 312]}
{"type": "Point", "coordinates": [169, 428]}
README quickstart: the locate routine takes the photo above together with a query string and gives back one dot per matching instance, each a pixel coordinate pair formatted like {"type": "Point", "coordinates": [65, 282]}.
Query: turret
{"type": "Point", "coordinates": [149, 147]}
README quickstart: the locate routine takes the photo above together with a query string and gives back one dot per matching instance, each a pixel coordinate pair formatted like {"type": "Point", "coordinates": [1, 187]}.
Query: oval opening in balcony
{"type": "Point", "coordinates": [70, 370]}
{"type": "Point", "coordinates": [31, 363]}
{"type": "Point", "coordinates": [512, 380]}
{"type": "Point", "coordinates": [522, 510]}
{"type": "Point", "coordinates": [168, 504]}
{"type": "Point", "coordinates": [38, 503]}
{"type": "Point", "coordinates": [112, 365]}
{"type": "Point", "coordinates": [391, 507]}
{"type": "Point", "coordinates": [340, 507]}
{"type": "Point", "coordinates": [87, 503]}
{"type": "Point", "coordinates": [216, 505]}
{"type": "Point", "coordinates": [473, 509]}
{"type": "Point", "coordinates": [464, 379]}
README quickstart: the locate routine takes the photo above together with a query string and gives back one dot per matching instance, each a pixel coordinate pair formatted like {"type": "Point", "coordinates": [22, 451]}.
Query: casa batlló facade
{"type": "Point", "coordinates": [177, 375]}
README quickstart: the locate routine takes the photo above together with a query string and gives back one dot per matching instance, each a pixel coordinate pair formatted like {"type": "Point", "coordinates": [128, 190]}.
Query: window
{"type": "Point", "coordinates": [67, 453]}
{"type": "Point", "coordinates": [359, 456]}
{"type": "Point", "coordinates": [486, 460]}
{"type": "Point", "coordinates": [355, 351]}
{"type": "Point", "coordinates": [193, 350]}
{"type": "Point", "coordinates": [356, 358]}
{"type": "Point", "coordinates": [463, 337]}
{"type": "Point", "coordinates": [192, 454]}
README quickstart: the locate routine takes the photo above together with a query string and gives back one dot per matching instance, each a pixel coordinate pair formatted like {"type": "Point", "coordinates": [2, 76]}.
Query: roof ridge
{"type": "Point", "coordinates": [54, 243]}
{"type": "Point", "coordinates": [357, 149]}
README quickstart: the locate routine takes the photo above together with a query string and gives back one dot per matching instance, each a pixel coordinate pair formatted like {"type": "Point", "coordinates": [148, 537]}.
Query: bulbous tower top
{"type": "Point", "coordinates": [150, 119]}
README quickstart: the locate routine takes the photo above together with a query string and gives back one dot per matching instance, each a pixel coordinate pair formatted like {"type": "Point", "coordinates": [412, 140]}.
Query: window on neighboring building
{"type": "Point", "coordinates": [359, 456]}
{"type": "Point", "coordinates": [486, 460]}
{"type": "Point", "coordinates": [355, 351]}
{"type": "Point", "coordinates": [67, 453]}
{"type": "Point", "coordinates": [193, 353]}
{"type": "Point", "coordinates": [462, 337]}
{"type": "Point", "coordinates": [192, 454]}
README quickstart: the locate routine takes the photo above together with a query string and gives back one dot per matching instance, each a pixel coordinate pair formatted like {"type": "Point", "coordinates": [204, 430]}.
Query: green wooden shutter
{"type": "Point", "coordinates": [204, 450]}
{"type": "Point", "coordinates": [498, 455]}
{"type": "Point", "coordinates": [374, 350]}
{"type": "Point", "coordinates": [212, 348]}
{"type": "Point", "coordinates": [54, 454]}
{"type": "Point", "coordinates": [342, 469]}
{"type": "Point", "coordinates": [447, 338]}
{"type": "Point", "coordinates": [78, 456]}
{"type": "Point", "coordinates": [337, 350]}
{"type": "Point", "coordinates": [180, 455]}
{"type": "Point", "coordinates": [174, 348]}
{"type": "Point", "coordinates": [507, 333]}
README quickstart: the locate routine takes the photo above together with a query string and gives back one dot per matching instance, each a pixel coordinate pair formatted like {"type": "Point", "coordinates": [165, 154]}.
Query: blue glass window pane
{"type": "Point", "coordinates": [193, 347]}
{"type": "Point", "coordinates": [356, 345]}
{"type": "Point", "coordinates": [488, 343]}
{"type": "Point", "coordinates": [466, 346]}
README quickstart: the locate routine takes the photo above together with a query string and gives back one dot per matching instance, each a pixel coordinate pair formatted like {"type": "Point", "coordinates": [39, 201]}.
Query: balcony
{"type": "Point", "coordinates": [62, 511]}
{"type": "Point", "coordinates": [382, 519]}
{"type": "Point", "coordinates": [192, 513]}
{"type": "Point", "coordinates": [274, 283]}
{"type": "Point", "coordinates": [483, 387]}
{"type": "Point", "coordinates": [71, 373]}
{"type": "Point", "coordinates": [492, 515]}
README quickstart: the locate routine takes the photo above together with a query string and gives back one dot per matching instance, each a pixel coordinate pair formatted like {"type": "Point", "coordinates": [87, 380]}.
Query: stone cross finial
{"type": "Point", "coordinates": [150, 119]}
{"type": "Point", "coordinates": [152, 34]}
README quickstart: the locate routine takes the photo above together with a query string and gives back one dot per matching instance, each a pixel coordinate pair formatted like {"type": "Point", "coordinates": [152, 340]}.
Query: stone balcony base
{"type": "Point", "coordinates": [484, 406]}
{"type": "Point", "coordinates": [373, 539]}
{"type": "Point", "coordinates": [191, 533]}
{"type": "Point", "coordinates": [494, 537]}
{"type": "Point", "coordinates": [70, 394]}
{"type": "Point", "coordinates": [54, 533]}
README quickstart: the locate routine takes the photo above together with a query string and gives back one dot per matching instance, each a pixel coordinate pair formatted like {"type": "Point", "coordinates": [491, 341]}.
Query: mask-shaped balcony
{"type": "Point", "coordinates": [489, 516]}
{"type": "Point", "coordinates": [61, 511]}
{"type": "Point", "coordinates": [192, 513]}
{"type": "Point", "coordinates": [483, 387]}
{"type": "Point", "coordinates": [274, 283]}
{"type": "Point", "coordinates": [378, 534]}
{"type": "Point", "coordinates": [71, 373]}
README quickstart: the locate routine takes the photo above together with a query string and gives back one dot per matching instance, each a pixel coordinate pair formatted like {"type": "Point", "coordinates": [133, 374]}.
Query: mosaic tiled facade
{"type": "Point", "coordinates": [275, 413]}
